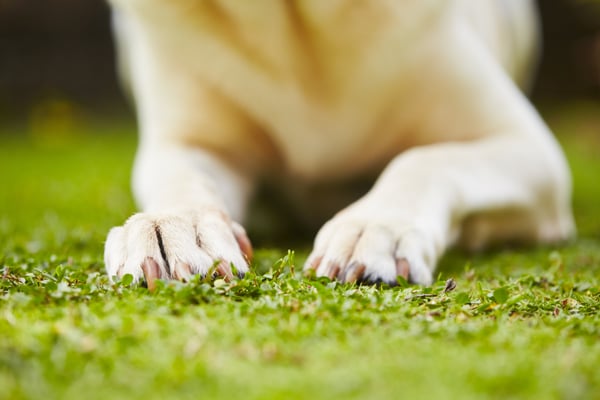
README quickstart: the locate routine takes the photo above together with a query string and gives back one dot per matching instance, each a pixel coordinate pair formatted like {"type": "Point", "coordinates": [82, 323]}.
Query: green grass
{"type": "Point", "coordinates": [521, 323]}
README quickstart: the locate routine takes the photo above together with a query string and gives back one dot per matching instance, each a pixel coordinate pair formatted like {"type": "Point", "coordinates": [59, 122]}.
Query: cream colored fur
{"type": "Point", "coordinates": [228, 91]}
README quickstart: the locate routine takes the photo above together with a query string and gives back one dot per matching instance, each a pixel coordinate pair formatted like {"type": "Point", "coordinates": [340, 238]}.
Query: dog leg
{"type": "Point", "coordinates": [418, 206]}
{"type": "Point", "coordinates": [187, 196]}
{"type": "Point", "coordinates": [510, 176]}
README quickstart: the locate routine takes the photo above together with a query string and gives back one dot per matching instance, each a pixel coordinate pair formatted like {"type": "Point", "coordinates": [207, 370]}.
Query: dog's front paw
{"type": "Point", "coordinates": [354, 248]}
{"type": "Point", "coordinates": [176, 246]}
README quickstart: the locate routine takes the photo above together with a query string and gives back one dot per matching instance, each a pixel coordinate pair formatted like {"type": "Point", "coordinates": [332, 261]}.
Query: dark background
{"type": "Point", "coordinates": [62, 49]}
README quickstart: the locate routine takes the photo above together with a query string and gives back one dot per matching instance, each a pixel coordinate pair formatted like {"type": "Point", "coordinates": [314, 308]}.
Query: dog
{"type": "Point", "coordinates": [427, 94]}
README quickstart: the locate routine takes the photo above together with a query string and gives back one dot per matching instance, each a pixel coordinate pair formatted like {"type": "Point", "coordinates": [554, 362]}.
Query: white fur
{"type": "Point", "coordinates": [229, 92]}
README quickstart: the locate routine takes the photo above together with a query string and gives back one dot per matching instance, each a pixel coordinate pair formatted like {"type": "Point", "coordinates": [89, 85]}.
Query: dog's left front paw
{"type": "Point", "coordinates": [374, 250]}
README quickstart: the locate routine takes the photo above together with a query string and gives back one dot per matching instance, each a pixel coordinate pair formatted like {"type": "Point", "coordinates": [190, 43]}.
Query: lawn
{"type": "Point", "coordinates": [521, 323]}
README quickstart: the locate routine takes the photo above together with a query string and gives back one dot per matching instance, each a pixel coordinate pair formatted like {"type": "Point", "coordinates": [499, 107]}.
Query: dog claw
{"type": "Point", "coordinates": [403, 268]}
{"type": "Point", "coordinates": [224, 270]}
{"type": "Point", "coordinates": [182, 271]}
{"type": "Point", "coordinates": [315, 263]}
{"type": "Point", "coordinates": [151, 272]}
{"type": "Point", "coordinates": [243, 241]}
{"type": "Point", "coordinates": [353, 273]}
{"type": "Point", "coordinates": [333, 271]}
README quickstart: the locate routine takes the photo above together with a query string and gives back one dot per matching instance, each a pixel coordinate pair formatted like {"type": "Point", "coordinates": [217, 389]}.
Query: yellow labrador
{"type": "Point", "coordinates": [426, 92]}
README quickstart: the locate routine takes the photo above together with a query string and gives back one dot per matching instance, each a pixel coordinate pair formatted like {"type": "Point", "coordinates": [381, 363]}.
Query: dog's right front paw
{"type": "Point", "coordinates": [177, 246]}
